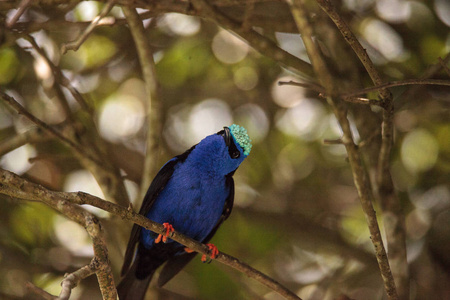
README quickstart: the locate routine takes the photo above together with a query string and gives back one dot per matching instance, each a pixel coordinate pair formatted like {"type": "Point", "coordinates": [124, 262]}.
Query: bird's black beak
{"type": "Point", "coordinates": [227, 136]}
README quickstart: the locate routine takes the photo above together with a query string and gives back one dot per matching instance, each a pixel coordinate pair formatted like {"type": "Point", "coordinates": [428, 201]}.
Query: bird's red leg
{"type": "Point", "coordinates": [169, 229]}
{"type": "Point", "coordinates": [214, 252]}
{"type": "Point", "coordinates": [188, 250]}
{"type": "Point", "coordinates": [212, 248]}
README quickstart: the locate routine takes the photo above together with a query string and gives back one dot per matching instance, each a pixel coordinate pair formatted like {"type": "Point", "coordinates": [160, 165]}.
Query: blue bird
{"type": "Point", "coordinates": [193, 193]}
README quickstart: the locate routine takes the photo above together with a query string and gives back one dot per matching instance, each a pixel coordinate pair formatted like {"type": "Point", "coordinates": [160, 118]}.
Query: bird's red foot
{"type": "Point", "coordinates": [214, 252]}
{"type": "Point", "coordinates": [188, 250]}
{"type": "Point", "coordinates": [169, 230]}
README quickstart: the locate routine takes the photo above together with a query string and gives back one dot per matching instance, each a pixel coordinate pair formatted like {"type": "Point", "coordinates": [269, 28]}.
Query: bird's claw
{"type": "Point", "coordinates": [169, 229]}
{"type": "Point", "coordinates": [214, 253]}
{"type": "Point", "coordinates": [188, 250]}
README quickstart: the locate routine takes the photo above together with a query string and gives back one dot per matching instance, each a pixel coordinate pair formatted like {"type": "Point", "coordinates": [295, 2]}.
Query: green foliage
{"type": "Point", "coordinates": [185, 60]}
{"type": "Point", "coordinates": [294, 193]}
{"type": "Point", "coordinates": [32, 224]}
{"type": "Point", "coordinates": [96, 51]}
{"type": "Point", "coordinates": [9, 65]}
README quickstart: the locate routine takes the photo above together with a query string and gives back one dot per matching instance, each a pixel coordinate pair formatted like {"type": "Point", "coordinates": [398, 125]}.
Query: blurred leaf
{"type": "Point", "coordinates": [96, 50]}
{"type": "Point", "coordinates": [32, 224]}
{"type": "Point", "coordinates": [9, 65]}
{"type": "Point", "coordinates": [187, 59]}
{"type": "Point", "coordinates": [431, 48]}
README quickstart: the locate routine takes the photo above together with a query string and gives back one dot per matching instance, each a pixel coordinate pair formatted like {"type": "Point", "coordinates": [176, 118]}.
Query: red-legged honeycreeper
{"type": "Point", "coordinates": [193, 193]}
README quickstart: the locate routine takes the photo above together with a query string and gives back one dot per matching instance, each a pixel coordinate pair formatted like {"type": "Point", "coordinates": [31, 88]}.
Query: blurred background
{"type": "Point", "coordinates": [297, 215]}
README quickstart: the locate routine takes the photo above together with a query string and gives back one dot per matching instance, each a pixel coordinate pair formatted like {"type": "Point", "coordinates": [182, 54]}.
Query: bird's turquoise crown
{"type": "Point", "coordinates": [240, 135]}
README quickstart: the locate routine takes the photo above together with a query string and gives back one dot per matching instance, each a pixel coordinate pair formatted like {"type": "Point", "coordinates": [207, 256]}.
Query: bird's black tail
{"type": "Point", "coordinates": [131, 287]}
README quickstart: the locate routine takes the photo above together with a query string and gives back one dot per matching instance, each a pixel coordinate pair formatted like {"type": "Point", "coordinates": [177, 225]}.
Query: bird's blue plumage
{"type": "Point", "coordinates": [194, 192]}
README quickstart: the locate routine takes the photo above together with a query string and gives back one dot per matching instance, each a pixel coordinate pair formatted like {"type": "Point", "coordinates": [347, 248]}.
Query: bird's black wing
{"type": "Point", "coordinates": [227, 207]}
{"type": "Point", "coordinates": [177, 263]}
{"type": "Point", "coordinates": [157, 185]}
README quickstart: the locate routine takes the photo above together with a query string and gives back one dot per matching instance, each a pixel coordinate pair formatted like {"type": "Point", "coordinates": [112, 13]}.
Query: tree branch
{"type": "Point", "coordinates": [312, 86]}
{"type": "Point", "coordinates": [93, 150]}
{"type": "Point", "coordinates": [71, 280]}
{"type": "Point", "coordinates": [320, 89]}
{"type": "Point", "coordinates": [359, 174]}
{"type": "Point", "coordinates": [153, 106]}
{"type": "Point", "coordinates": [39, 292]}
{"type": "Point", "coordinates": [397, 83]}
{"type": "Point", "coordinates": [106, 175]}
{"type": "Point", "coordinates": [384, 187]}
{"type": "Point", "coordinates": [83, 37]}
{"type": "Point", "coordinates": [22, 8]}
{"type": "Point", "coordinates": [261, 43]}
{"type": "Point", "coordinates": [23, 111]}
{"type": "Point", "coordinates": [351, 39]}
{"type": "Point", "coordinates": [33, 135]}
{"type": "Point", "coordinates": [14, 186]}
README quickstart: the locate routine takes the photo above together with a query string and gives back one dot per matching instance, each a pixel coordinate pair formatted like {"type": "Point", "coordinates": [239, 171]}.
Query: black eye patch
{"type": "Point", "coordinates": [233, 151]}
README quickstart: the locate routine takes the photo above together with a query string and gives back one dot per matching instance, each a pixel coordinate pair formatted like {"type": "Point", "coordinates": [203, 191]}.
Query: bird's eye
{"type": "Point", "coordinates": [235, 154]}
{"type": "Point", "coordinates": [233, 151]}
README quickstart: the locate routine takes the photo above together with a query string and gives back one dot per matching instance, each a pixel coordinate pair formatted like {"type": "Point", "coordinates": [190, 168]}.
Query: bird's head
{"type": "Point", "coordinates": [223, 152]}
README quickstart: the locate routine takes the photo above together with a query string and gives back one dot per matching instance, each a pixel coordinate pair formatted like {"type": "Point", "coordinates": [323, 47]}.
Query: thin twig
{"type": "Point", "coordinates": [261, 43]}
{"type": "Point", "coordinates": [398, 83]}
{"type": "Point", "coordinates": [148, 67]}
{"type": "Point", "coordinates": [76, 44]}
{"type": "Point", "coordinates": [312, 86]}
{"type": "Point", "coordinates": [59, 78]}
{"type": "Point", "coordinates": [333, 142]}
{"type": "Point", "coordinates": [35, 134]}
{"type": "Point", "coordinates": [22, 111]}
{"type": "Point", "coordinates": [107, 175]}
{"type": "Point", "coordinates": [350, 95]}
{"type": "Point", "coordinates": [431, 71]}
{"type": "Point", "coordinates": [360, 100]}
{"type": "Point", "coordinates": [39, 292]}
{"type": "Point", "coordinates": [384, 187]}
{"type": "Point", "coordinates": [360, 176]}
{"type": "Point", "coordinates": [22, 8]}
{"type": "Point", "coordinates": [13, 185]}
{"type": "Point", "coordinates": [71, 280]}
{"type": "Point", "coordinates": [368, 140]}
{"type": "Point", "coordinates": [351, 39]}
{"type": "Point", "coordinates": [55, 71]}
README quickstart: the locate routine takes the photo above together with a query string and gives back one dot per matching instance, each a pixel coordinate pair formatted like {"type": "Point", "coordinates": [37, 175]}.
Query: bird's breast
{"type": "Point", "coordinates": [192, 203]}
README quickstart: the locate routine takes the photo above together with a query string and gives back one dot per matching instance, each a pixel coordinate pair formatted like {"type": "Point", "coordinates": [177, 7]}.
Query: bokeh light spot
{"type": "Point", "coordinates": [254, 119]}
{"type": "Point", "coordinates": [208, 117]}
{"type": "Point", "coordinates": [419, 151]}
{"type": "Point", "coordinates": [83, 180]}
{"type": "Point", "coordinates": [17, 161]}
{"type": "Point", "coordinates": [86, 10]}
{"type": "Point", "coordinates": [245, 78]}
{"type": "Point", "coordinates": [442, 8]}
{"type": "Point", "coordinates": [228, 48]}
{"type": "Point", "coordinates": [96, 50]}
{"type": "Point", "coordinates": [393, 11]}
{"type": "Point", "coordinates": [121, 117]}
{"type": "Point", "coordinates": [302, 120]}
{"type": "Point", "coordinates": [179, 24]}
{"type": "Point", "coordinates": [384, 39]}
{"type": "Point", "coordinates": [72, 236]}
{"type": "Point", "coordinates": [287, 95]}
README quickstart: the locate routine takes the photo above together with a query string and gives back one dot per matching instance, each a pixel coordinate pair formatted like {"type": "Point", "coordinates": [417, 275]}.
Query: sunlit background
{"type": "Point", "coordinates": [297, 215]}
